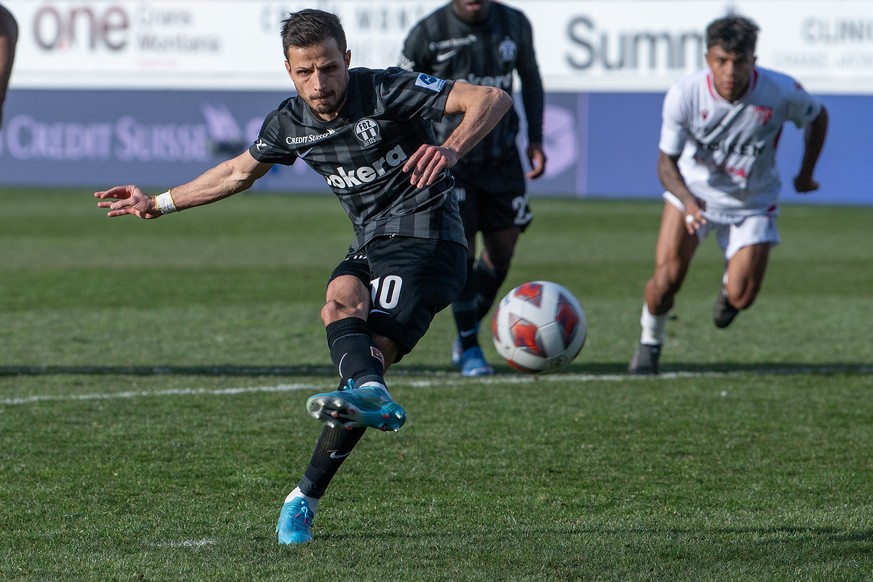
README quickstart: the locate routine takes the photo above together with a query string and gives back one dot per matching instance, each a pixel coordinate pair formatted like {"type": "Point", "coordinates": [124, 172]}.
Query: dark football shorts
{"type": "Point", "coordinates": [410, 281]}
{"type": "Point", "coordinates": [492, 195]}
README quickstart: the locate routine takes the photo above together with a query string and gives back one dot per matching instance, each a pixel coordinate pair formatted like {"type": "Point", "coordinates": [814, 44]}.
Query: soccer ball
{"type": "Point", "coordinates": [539, 327]}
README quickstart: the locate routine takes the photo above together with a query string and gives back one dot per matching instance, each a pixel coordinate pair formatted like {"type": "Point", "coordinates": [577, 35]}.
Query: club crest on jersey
{"type": "Point", "coordinates": [765, 114]}
{"type": "Point", "coordinates": [507, 50]}
{"type": "Point", "coordinates": [428, 82]}
{"type": "Point", "coordinates": [367, 131]}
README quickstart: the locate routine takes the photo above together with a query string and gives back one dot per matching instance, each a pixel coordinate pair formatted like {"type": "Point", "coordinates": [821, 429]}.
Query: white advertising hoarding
{"type": "Point", "coordinates": [582, 45]}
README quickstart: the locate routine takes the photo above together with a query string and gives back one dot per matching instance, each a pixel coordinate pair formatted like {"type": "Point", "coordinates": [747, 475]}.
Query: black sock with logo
{"type": "Point", "coordinates": [353, 351]}
{"type": "Point", "coordinates": [465, 308]}
{"type": "Point", "coordinates": [333, 447]}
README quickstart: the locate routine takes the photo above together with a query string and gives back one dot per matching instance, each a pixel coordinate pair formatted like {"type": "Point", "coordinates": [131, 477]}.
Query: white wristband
{"type": "Point", "coordinates": [164, 202]}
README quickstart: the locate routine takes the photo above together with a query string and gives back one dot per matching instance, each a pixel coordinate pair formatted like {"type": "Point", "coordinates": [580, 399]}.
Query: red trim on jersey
{"type": "Point", "coordinates": [711, 87]}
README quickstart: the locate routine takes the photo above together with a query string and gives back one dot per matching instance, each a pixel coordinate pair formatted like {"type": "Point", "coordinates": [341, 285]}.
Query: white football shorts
{"type": "Point", "coordinates": [734, 232]}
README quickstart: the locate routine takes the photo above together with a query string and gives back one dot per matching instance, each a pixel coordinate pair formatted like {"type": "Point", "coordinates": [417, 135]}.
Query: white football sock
{"type": "Point", "coordinates": [312, 501]}
{"type": "Point", "coordinates": [653, 327]}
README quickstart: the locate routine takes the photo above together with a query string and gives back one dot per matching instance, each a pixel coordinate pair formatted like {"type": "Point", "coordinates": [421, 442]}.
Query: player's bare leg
{"type": "Point", "coordinates": [742, 282]}
{"type": "Point", "coordinates": [673, 255]}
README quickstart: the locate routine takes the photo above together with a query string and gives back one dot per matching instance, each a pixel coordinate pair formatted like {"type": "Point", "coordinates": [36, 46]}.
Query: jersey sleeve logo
{"type": "Point", "coordinates": [428, 82]}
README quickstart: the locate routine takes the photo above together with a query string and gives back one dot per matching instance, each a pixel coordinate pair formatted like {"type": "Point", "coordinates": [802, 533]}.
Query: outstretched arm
{"type": "Point", "coordinates": [482, 108]}
{"type": "Point", "coordinates": [813, 143]}
{"type": "Point", "coordinates": [226, 179]}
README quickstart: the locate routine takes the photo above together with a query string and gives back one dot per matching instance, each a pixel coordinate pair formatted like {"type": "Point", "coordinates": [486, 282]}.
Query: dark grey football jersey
{"type": "Point", "coordinates": [484, 53]}
{"type": "Point", "coordinates": [387, 116]}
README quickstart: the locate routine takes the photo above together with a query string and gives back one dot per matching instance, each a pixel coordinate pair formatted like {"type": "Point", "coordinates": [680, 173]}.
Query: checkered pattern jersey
{"type": "Point", "coordinates": [387, 116]}
{"type": "Point", "coordinates": [485, 53]}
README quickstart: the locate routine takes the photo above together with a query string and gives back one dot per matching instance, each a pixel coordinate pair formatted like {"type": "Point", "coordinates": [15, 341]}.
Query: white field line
{"type": "Point", "coordinates": [153, 393]}
{"type": "Point", "coordinates": [439, 379]}
{"type": "Point", "coordinates": [185, 543]}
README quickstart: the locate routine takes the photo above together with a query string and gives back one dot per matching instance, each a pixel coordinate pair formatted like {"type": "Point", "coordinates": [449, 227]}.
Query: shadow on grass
{"type": "Point", "coordinates": [765, 368]}
{"type": "Point", "coordinates": [214, 370]}
{"type": "Point", "coordinates": [761, 535]}
{"type": "Point", "coordinates": [593, 370]}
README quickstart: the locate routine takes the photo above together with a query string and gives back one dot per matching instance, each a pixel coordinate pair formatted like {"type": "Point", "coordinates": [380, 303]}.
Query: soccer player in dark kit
{"type": "Point", "coordinates": [369, 133]}
{"type": "Point", "coordinates": [8, 40]}
{"type": "Point", "coordinates": [484, 43]}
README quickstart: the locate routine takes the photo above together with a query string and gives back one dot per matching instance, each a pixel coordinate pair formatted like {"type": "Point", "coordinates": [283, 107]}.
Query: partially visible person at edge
{"type": "Point", "coordinates": [719, 134]}
{"type": "Point", "coordinates": [483, 43]}
{"type": "Point", "coordinates": [369, 134]}
{"type": "Point", "coordinates": [8, 40]}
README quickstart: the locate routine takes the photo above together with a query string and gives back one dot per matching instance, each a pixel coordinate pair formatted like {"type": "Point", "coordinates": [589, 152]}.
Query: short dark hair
{"type": "Point", "coordinates": [735, 34]}
{"type": "Point", "coordinates": [310, 27]}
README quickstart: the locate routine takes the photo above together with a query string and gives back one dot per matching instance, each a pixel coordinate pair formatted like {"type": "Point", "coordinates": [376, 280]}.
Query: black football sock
{"type": "Point", "coordinates": [334, 445]}
{"type": "Point", "coordinates": [465, 310]}
{"type": "Point", "coordinates": [354, 353]}
{"type": "Point", "coordinates": [490, 278]}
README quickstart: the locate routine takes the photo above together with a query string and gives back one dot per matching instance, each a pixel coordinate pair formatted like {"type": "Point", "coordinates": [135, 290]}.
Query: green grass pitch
{"type": "Point", "coordinates": [153, 376]}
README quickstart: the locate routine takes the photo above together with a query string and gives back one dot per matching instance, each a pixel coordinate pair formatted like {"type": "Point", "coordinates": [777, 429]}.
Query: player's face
{"type": "Point", "coordinates": [471, 10]}
{"type": "Point", "coordinates": [321, 76]}
{"type": "Point", "coordinates": [731, 72]}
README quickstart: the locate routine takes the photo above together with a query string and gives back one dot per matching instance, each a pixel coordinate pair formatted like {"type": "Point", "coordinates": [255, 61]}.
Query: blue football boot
{"type": "Point", "coordinates": [368, 406]}
{"type": "Point", "coordinates": [295, 521]}
{"type": "Point", "coordinates": [473, 363]}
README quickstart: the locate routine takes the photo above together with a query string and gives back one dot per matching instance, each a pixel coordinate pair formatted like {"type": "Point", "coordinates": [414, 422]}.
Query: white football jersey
{"type": "Point", "coordinates": [728, 150]}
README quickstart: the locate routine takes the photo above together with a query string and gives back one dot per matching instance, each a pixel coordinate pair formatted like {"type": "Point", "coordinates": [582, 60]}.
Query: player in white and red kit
{"type": "Point", "coordinates": [719, 134]}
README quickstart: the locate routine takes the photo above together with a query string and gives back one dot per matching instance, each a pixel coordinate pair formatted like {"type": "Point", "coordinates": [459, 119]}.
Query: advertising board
{"type": "Point", "coordinates": [583, 46]}
{"type": "Point", "coordinates": [154, 92]}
